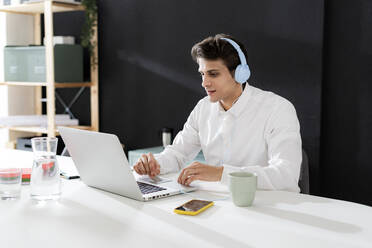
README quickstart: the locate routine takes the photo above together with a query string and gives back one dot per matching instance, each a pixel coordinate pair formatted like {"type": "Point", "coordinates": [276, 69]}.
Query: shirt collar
{"type": "Point", "coordinates": [239, 105]}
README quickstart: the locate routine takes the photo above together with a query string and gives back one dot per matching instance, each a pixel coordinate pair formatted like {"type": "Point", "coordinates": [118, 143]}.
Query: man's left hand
{"type": "Point", "coordinates": [199, 171]}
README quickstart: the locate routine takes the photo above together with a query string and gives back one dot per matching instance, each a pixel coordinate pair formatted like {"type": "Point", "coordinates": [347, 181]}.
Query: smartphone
{"type": "Point", "coordinates": [193, 207]}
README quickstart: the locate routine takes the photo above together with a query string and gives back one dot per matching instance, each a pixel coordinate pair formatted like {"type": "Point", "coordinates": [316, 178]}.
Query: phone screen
{"type": "Point", "coordinates": [193, 205]}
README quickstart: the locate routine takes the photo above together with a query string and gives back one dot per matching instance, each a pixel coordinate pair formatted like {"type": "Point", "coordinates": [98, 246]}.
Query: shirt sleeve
{"type": "Point", "coordinates": [283, 139]}
{"type": "Point", "coordinates": [185, 146]}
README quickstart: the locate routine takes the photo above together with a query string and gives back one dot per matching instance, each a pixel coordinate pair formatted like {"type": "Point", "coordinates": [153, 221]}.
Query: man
{"type": "Point", "coordinates": [237, 126]}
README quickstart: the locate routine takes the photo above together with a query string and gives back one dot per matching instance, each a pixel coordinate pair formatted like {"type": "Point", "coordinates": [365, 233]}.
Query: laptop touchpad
{"type": "Point", "coordinates": [155, 180]}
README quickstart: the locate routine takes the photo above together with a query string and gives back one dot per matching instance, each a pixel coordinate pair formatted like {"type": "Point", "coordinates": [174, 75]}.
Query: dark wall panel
{"type": "Point", "coordinates": [347, 116]}
{"type": "Point", "coordinates": [148, 80]}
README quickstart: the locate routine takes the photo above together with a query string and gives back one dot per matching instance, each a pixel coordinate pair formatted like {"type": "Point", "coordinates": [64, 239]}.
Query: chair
{"type": "Point", "coordinates": [304, 182]}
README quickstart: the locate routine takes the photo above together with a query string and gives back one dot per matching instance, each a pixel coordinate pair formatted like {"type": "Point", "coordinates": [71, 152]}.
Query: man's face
{"type": "Point", "coordinates": [217, 80]}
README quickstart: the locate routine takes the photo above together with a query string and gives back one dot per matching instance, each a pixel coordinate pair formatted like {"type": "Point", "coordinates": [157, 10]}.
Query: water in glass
{"type": "Point", "coordinates": [45, 177]}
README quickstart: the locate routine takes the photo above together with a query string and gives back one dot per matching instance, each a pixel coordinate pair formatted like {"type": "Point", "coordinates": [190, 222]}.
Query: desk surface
{"type": "Point", "coordinates": [88, 217]}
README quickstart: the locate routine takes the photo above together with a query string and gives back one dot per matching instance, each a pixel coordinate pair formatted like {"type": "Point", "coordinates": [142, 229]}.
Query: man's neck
{"type": "Point", "coordinates": [228, 103]}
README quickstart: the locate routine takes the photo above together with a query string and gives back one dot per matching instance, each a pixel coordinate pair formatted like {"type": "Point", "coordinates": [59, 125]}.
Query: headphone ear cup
{"type": "Point", "coordinates": [242, 73]}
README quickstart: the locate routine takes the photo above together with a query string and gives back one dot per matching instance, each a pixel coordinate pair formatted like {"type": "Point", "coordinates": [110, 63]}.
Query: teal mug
{"type": "Point", "coordinates": [242, 186]}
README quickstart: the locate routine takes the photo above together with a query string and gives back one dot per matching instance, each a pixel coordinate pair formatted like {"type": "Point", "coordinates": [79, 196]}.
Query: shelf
{"type": "Point", "coordinates": [56, 85]}
{"type": "Point", "coordinates": [72, 85]}
{"type": "Point", "coordinates": [38, 8]}
{"type": "Point", "coordinates": [23, 83]}
{"type": "Point", "coordinates": [44, 130]}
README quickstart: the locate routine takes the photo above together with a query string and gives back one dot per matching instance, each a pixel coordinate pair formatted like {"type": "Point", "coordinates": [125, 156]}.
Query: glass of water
{"type": "Point", "coordinates": [45, 176]}
{"type": "Point", "coordinates": [10, 183]}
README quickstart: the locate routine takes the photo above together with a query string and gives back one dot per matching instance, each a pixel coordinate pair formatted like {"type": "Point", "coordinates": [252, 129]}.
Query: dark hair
{"type": "Point", "coordinates": [213, 48]}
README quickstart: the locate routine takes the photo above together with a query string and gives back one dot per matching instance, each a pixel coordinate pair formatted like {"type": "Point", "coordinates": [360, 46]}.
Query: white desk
{"type": "Point", "coordinates": [87, 217]}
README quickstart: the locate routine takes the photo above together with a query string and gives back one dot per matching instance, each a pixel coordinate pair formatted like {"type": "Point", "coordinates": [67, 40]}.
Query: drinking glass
{"type": "Point", "coordinates": [45, 177]}
{"type": "Point", "coordinates": [10, 183]}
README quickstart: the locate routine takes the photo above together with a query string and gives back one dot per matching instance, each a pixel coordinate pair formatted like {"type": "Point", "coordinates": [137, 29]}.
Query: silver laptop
{"type": "Point", "coordinates": [101, 163]}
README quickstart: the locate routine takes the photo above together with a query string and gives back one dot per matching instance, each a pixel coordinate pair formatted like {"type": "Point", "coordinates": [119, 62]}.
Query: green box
{"type": "Point", "coordinates": [27, 63]}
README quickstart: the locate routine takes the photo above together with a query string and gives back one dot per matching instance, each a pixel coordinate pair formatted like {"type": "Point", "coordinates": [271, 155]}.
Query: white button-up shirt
{"type": "Point", "coordinates": [260, 133]}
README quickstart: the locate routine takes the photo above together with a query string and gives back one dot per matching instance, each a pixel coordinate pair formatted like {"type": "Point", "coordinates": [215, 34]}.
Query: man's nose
{"type": "Point", "coordinates": [206, 82]}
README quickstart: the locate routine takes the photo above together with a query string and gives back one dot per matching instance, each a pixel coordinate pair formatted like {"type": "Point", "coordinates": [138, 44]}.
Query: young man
{"type": "Point", "coordinates": [237, 126]}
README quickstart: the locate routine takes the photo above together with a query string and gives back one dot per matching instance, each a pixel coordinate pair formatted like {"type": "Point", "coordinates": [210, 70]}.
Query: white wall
{"type": "Point", "coordinates": [14, 30]}
{"type": "Point", "coordinates": [4, 134]}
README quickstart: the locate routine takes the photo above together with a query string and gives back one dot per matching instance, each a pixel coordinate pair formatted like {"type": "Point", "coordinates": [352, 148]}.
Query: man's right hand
{"type": "Point", "coordinates": [147, 165]}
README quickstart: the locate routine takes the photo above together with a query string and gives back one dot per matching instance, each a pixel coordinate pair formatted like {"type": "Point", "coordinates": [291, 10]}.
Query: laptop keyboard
{"type": "Point", "coordinates": [148, 188]}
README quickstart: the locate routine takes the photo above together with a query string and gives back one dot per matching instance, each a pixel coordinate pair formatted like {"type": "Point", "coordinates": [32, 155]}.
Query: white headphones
{"type": "Point", "coordinates": [242, 71]}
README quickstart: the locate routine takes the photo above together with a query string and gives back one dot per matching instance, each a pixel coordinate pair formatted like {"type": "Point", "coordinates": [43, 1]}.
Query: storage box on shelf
{"type": "Point", "coordinates": [27, 63]}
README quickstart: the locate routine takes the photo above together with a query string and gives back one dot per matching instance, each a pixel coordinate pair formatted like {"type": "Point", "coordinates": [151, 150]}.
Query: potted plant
{"type": "Point", "coordinates": [88, 30]}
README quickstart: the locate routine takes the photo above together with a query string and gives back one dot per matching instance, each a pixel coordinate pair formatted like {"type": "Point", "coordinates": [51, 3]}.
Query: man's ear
{"type": "Point", "coordinates": [232, 73]}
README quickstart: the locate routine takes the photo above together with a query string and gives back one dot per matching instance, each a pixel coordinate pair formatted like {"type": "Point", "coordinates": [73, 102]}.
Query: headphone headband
{"type": "Point", "coordinates": [242, 58]}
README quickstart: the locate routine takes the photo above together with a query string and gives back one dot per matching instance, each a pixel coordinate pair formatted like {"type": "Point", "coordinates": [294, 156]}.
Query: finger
{"type": "Point", "coordinates": [156, 168]}
{"type": "Point", "coordinates": [192, 178]}
{"type": "Point", "coordinates": [145, 163]}
{"type": "Point", "coordinates": [184, 175]}
{"type": "Point", "coordinates": [143, 169]}
{"type": "Point", "coordinates": [144, 158]}
{"type": "Point", "coordinates": [139, 168]}
{"type": "Point", "coordinates": [135, 168]}
{"type": "Point", "coordinates": [152, 165]}
{"type": "Point", "coordinates": [187, 173]}
{"type": "Point", "coordinates": [180, 176]}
